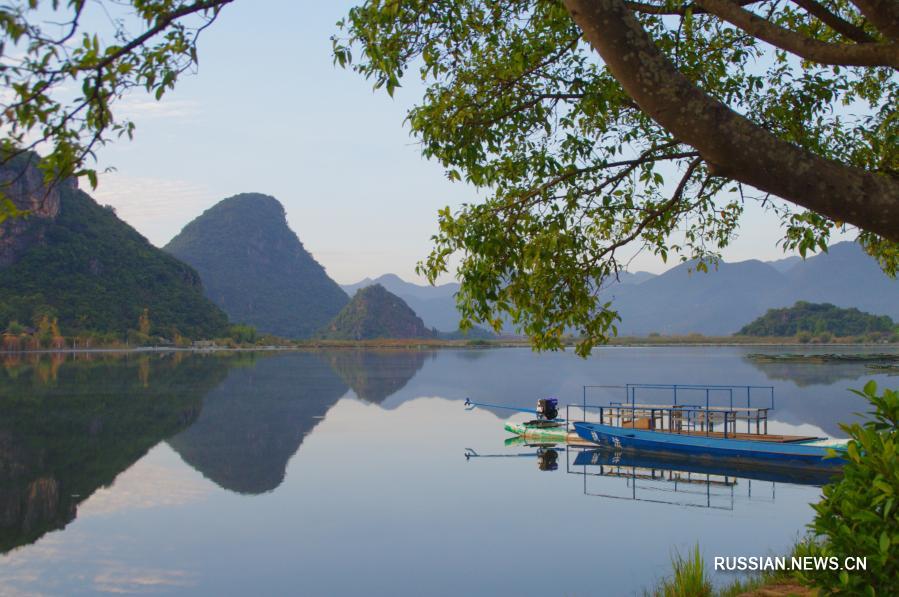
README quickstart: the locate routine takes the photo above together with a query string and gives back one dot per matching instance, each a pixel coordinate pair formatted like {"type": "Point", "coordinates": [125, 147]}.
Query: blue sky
{"type": "Point", "coordinates": [269, 113]}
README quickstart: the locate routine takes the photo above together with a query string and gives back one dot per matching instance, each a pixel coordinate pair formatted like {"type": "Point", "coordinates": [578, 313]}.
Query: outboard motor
{"type": "Point", "coordinates": [548, 408]}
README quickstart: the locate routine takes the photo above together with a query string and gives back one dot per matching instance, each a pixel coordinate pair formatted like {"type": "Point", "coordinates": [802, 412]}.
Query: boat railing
{"type": "Point", "coordinates": [717, 395]}
{"type": "Point", "coordinates": [689, 419]}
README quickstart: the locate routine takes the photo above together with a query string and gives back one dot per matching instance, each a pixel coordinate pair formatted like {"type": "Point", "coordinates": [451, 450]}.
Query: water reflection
{"type": "Point", "coordinates": [375, 375]}
{"type": "Point", "coordinates": [660, 479]}
{"type": "Point", "coordinates": [825, 370]}
{"type": "Point", "coordinates": [546, 456]}
{"type": "Point", "coordinates": [681, 481]}
{"type": "Point", "coordinates": [70, 425]}
{"type": "Point", "coordinates": [288, 429]}
{"type": "Point", "coordinates": [256, 419]}
{"type": "Point", "coordinates": [812, 374]}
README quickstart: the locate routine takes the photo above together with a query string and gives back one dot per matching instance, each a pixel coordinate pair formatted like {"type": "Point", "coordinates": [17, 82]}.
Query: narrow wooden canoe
{"type": "Point", "coordinates": [805, 451]}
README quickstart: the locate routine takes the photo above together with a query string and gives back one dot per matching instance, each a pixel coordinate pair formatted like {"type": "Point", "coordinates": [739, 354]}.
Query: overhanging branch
{"type": "Point", "coordinates": [883, 14]}
{"type": "Point", "coordinates": [730, 143]}
{"type": "Point", "coordinates": [862, 54]}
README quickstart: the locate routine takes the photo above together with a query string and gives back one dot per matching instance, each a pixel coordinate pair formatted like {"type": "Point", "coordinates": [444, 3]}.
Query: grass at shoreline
{"type": "Point", "coordinates": [689, 578]}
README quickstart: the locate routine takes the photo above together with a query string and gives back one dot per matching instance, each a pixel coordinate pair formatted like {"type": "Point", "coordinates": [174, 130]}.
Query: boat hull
{"type": "Point", "coordinates": [718, 449]}
{"type": "Point", "coordinates": [557, 435]}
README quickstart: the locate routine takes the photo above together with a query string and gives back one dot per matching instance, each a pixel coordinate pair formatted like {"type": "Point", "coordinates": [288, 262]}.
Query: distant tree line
{"type": "Point", "coordinates": [816, 319]}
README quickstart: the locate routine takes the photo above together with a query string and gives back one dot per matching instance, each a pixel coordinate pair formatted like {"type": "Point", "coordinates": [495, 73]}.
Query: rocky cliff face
{"type": "Point", "coordinates": [23, 183]}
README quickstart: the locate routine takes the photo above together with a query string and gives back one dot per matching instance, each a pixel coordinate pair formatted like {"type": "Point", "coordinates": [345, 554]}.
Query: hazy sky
{"type": "Point", "coordinates": [269, 113]}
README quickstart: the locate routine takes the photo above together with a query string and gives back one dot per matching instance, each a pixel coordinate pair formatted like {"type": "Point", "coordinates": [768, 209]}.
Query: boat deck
{"type": "Point", "coordinates": [758, 437]}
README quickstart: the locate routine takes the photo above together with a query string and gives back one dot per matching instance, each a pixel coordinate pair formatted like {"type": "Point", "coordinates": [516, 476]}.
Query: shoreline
{"type": "Point", "coordinates": [424, 344]}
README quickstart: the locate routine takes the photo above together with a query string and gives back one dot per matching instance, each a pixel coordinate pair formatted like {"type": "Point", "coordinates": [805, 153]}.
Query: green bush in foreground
{"type": "Point", "coordinates": [858, 514]}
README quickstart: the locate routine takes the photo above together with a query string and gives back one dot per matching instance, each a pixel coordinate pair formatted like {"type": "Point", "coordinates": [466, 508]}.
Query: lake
{"type": "Point", "coordinates": [352, 472]}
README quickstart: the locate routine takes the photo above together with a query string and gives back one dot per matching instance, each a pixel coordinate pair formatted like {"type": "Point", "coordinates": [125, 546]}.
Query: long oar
{"type": "Point", "coordinates": [469, 405]}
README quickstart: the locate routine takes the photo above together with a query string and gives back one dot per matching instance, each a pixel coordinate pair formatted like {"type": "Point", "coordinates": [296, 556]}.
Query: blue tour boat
{"type": "Point", "coordinates": [704, 432]}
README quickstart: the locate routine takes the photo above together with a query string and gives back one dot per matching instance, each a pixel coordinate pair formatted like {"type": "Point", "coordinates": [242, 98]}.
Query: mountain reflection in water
{"type": "Point", "coordinates": [256, 419]}
{"type": "Point", "coordinates": [370, 442]}
{"type": "Point", "coordinates": [69, 426]}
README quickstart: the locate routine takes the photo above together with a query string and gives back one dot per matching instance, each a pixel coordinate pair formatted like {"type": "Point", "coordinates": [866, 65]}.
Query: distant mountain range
{"type": "Point", "coordinates": [717, 303]}
{"type": "Point", "coordinates": [255, 268]}
{"type": "Point", "coordinates": [77, 262]}
{"type": "Point", "coordinates": [724, 300]}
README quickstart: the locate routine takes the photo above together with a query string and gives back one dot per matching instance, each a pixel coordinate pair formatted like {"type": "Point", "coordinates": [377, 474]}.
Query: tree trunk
{"type": "Point", "coordinates": [733, 145]}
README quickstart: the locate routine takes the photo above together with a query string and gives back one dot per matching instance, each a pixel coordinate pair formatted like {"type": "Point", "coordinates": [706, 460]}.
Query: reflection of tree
{"type": "Point", "coordinates": [375, 375]}
{"type": "Point", "coordinates": [809, 374]}
{"type": "Point", "coordinates": [70, 427]}
{"type": "Point", "coordinates": [256, 420]}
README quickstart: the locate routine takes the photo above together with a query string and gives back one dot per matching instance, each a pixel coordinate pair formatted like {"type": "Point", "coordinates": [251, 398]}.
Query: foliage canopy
{"type": "Point", "coordinates": [658, 144]}
{"type": "Point", "coordinates": [62, 72]}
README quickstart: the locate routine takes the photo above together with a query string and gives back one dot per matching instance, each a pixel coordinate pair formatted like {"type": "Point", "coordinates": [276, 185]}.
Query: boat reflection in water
{"type": "Point", "coordinates": [662, 479]}
{"type": "Point", "coordinates": [680, 480]}
{"type": "Point", "coordinates": [547, 455]}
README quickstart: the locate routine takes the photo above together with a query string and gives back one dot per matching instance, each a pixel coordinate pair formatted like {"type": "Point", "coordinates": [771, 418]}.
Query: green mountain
{"type": "Point", "coordinates": [376, 313]}
{"type": "Point", "coordinates": [76, 261]}
{"type": "Point", "coordinates": [816, 319]}
{"type": "Point", "coordinates": [255, 268]}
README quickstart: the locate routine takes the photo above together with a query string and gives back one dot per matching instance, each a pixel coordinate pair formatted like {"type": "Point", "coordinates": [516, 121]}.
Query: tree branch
{"type": "Point", "coordinates": [864, 54]}
{"type": "Point", "coordinates": [730, 143]}
{"type": "Point", "coordinates": [883, 14]}
{"type": "Point", "coordinates": [664, 9]}
{"type": "Point", "coordinates": [834, 21]}
{"type": "Point", "coordinates": [815, 8]}
{"type": "Point", "coordinates": [160, 26]}
{"type": "Point", "coordinates": [654, 214]}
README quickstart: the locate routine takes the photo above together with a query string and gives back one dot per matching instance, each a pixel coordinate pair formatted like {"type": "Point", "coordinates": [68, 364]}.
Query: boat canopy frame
{"type": "Point", "coordinates": [684, 417]}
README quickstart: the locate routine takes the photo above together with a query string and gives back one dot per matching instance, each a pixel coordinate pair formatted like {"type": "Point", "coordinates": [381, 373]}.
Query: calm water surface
{"type": "Point", "coordinates": [345, 473]}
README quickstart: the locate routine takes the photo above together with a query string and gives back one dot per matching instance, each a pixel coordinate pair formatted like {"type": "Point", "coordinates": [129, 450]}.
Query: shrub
{"type": "Point", "coordinates": [804, 337]}
{"type": "Point", "coordinates": [137, 338]}
{"type": "Point", "coordinates": [15, 328]}
{"type": "Point", "coordinates": [824, 337]}
{"type": "Point", "coordinates": [243, 334]}
{"type": "Point", "coordinates": [859, 513]}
